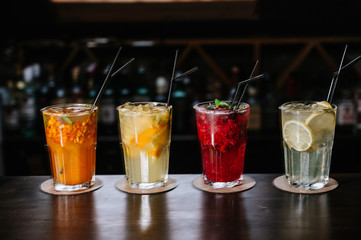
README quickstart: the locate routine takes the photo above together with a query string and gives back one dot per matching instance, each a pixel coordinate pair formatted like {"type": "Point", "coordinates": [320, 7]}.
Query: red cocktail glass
{"type": "Point", "coordinates": [222, 134]}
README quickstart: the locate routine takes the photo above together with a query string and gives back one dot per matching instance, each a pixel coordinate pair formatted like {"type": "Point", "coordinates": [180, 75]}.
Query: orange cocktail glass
{"type": "Point", "coordinates": [71, 136]}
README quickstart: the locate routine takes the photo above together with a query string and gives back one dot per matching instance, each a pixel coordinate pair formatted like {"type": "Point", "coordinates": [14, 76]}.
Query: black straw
{"type": "Point", "coordinates": [246, 82]}
{"type": "Point", "coordinates": [235, 95]}
{"type": "Point", "coordinates": [350, 64]}
{"type": "Point", "coordinates": [331, 91]}
{"type": "Point", "coordinates": [239, 85]}
{"type": "Point", "coordinates": [106, 82]}
{"type": "Point", "coordinates": [185, 74]}
{"type": "Point", "coordinates": [244, 89]}
{"type": "Point", "coordinates": [251, 79]}
{"type": "Point", "coordinates": [122, 67]}
{"type": "Point", "coordinates": [106, 79]}
{"type": "Point", "coordinates": [172, 78]}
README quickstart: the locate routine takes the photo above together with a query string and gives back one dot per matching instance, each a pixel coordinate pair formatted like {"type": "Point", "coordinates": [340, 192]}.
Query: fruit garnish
{"type": "Point", "coordinates": [297, 135]}
{"type": "Point", "coordinates": [219, 103]}
{"type": "Point", "coordinates": [325, 104]}
{"type": "Point", "coordinates": [210, 107]}
{"type": "Point", "coordinates": [73, 132]}
{"type": "Point", "coordinates": [67, 120]}
{"type": "Point", "coordinates": [321, 121]}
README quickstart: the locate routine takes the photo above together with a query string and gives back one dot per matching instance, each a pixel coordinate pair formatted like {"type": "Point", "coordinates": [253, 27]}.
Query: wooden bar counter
{"type": "Point", "coordinates": [262, 212]}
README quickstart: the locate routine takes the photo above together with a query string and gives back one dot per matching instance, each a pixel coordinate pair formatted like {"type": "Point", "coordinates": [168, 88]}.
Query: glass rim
{"type": "Point", "coordinates": [63, 105]}
{"type": "Point", "coordinates": [198, 106]}
{"type": "Point", "coordinates": [144, 103]}
{"type": "Point", "coordinates": [282, 106]}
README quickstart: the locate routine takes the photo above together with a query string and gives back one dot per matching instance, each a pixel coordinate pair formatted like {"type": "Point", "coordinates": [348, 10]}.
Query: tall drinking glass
{"type": "Point", "coordinates": [145, 136]}
{"type": "Point", "coordinates": [71, 136]}
{"type": "Point", "coordinates": [308, 131]}
{"type": "Point", "coordinates": [222, 134]}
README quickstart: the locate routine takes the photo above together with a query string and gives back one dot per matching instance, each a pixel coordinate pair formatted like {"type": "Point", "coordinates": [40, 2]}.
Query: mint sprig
{"type": "Point", "coordinates": [221, 103]}
{"type": "Point", "coordinates": [217, 103]}
{"type": "Point", "coordinates": [66, 119]}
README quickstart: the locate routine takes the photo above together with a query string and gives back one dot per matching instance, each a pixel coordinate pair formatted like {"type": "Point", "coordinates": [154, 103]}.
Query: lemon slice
{"type": "Point", "coordinates": [321, 121]}
{"type": "Point", "coordinates": [325, 104]}
{"type": "Point", "coordinates": [297, 135]}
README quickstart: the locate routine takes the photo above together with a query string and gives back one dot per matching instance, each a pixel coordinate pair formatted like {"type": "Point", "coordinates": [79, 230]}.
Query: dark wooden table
{"type": "Point", "coordinates": [185, 212]}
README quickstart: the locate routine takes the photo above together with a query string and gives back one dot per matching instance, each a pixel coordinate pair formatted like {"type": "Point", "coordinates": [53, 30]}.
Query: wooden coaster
{"type": "Point", "coordinates": [124, 186]}
{"type": "Point", "coordinates": [48, 187]}
{"type": "Point", "coordinates": [247, 183]}
{"type": "Point", "coordinates": [282, 184]}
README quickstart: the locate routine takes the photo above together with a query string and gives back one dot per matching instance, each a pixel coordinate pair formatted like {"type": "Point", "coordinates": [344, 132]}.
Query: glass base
{"type": "Point", "coordinates": [310, 186]}
{"type": "Point", "coordinates": [160, 183]}
{"type": "Point", "coordinates": [62, 187]}
{"type": "Point", "coordinates": [223, 184]}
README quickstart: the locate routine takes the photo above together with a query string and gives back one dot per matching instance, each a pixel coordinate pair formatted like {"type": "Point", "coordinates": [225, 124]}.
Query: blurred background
{"type": "Point", "coordinates": [54, 51]}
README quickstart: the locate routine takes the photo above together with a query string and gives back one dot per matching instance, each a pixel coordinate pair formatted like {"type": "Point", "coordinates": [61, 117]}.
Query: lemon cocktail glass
{"type": "Point", "coordinates": [145, 136]}
{"type": "Point", "coordinates": [308, 131]}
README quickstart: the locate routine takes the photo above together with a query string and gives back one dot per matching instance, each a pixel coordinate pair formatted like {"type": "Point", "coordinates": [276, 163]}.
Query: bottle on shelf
{"type": "Point", "coordinates": [124, 96]}
{"type": "Point", "coordinates": [11, 113]}
{"type": "Point", "coordinates": [61, 90]}
{"type": "Point", "coordinates": [51, 83]}
{"type": "Point", "coordinates": [191, 98]}
{"type": "Point", "coordinates": [357, 102]}
{"type": "Point", "coordinates": [107, 112]}
{"type": "Point", "coordinates": [346, 115]}
{"type": "Point", "coordinates": [255, 116]}
{"type": "Point", "coordinates": [161, 85]}
{"type": "Point", "coordinates": [10, 109]}
{"type": "Point", "coordinates": [106, 116]}
{"type": "Point", "coordinates": [76, 92]}
{"type": "Point", "coordinates": [47, 86]}
{"type": "Point", "coordinates": [215, 89]}
{"type": "Point", "coordinates": [28, 107]}
{"type": "Point", "coordinates": [142, 93]}
{"type": "Point", "coordinates": [91, 92]}
{"type": "Point", "coordinates": [179, 103]}
{"type": "Point", "coordinates": [269, 106]}
{"type": "Point", "coordinates": [235, 80]}
{"type": "Point", "coordinates": [122, 90]}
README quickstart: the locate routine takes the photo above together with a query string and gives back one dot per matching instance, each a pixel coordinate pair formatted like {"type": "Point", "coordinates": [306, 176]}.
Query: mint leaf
{"type": "Point", "coordinates": [220, 103]}
{"type": "Point", "coordinates": [224, 104]}
{"type": "Point", "coordinates": [217, 102]}
{"type": "Point", "coordinates": [210, 107]}
{"type": "Point", "coordinates": [66, 119]}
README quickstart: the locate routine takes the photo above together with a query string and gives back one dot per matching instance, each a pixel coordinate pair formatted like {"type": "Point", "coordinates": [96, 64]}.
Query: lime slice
{"type": "Point", "coordinates": [297, 135]}
{"type": "Point", "coordinates": [325, 104]}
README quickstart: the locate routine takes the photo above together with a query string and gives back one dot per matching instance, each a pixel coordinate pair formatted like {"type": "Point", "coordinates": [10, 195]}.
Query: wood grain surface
{"type": "Point", "coordinates": [263, 212]}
